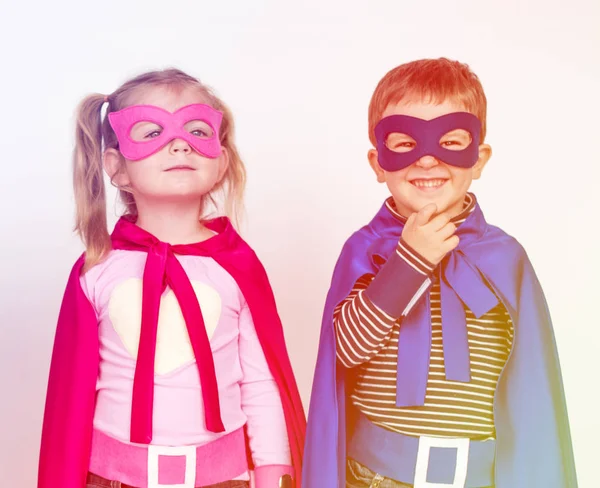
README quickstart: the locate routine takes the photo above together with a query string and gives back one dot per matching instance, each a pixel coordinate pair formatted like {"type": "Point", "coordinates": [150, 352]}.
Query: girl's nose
{"type": "Point", "coordinates": [179, 145]}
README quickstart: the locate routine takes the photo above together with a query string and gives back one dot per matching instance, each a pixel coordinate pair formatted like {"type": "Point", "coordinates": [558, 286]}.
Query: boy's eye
{"type": "Point", "coordinates": [398, 142]}
{"type": "Point", "coordinates": [456, 140]}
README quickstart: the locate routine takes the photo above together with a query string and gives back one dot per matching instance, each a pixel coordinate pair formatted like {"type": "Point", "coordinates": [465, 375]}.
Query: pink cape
{"type": "Point", "coordinates": [70, 400]}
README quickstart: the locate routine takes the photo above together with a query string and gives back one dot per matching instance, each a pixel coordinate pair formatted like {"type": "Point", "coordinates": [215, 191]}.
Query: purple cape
{"type": "Point", "coordinates": [532, 430]}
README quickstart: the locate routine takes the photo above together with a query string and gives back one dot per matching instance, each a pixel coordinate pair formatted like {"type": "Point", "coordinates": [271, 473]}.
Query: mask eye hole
{"type": "Point", "coordinates": [200, 129]}
{"type": "Point", "coordinates": [145, 131]}
{"type": "Point", "coordinates": [400, 142]}
{"type": "Point", "coordinates": [456, 140]}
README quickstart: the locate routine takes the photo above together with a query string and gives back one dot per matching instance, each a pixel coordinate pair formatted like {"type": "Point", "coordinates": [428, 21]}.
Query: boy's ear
{"type": "Point", "coordinates": [485, 153]}
{"type": "Point", "coordinates": [374, 162]}
{"type": "Point", "coordinates": [114, 166]}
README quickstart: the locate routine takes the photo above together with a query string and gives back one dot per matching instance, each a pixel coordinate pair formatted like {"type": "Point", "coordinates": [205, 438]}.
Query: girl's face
{"type": "Point", "coordinates": [176, 172]}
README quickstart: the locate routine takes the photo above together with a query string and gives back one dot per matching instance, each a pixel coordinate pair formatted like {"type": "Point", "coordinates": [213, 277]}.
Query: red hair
{"type": "Point", "coordinates": [435, 80]}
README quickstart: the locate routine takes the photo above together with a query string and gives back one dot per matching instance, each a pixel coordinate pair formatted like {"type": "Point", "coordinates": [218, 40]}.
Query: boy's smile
{"type": "Point", "coordinates": [429, 184]}
{"type": "Point", "coordinates": [428, 180]}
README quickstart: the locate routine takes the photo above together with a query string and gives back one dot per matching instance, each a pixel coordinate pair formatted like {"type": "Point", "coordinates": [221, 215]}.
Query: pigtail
{"type": "Point", "coordinates": [234, 180]}
{"type": "Point", "coordinates": [88, 181]}
{"type": "Point", "coordinates": [230, 190]}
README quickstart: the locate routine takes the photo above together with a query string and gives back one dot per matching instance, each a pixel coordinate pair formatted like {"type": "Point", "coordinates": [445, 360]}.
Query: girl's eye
{"type": "Point", "coordinates": [199, 128]}
{"type": "Point", "coordinates": [153, 134]}
{"type": "Point", "coordinates": [145, 131]}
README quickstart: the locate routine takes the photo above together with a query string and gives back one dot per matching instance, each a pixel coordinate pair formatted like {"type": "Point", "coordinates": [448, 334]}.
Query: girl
{"type": "Point", "coordinates": [169, 365]}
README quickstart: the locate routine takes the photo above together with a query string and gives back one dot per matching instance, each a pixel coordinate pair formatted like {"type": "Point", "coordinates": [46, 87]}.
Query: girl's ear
{"type": "Point", "coordinates": [223, 163]}
{"type": "Point", "coordinates": [114, 165]}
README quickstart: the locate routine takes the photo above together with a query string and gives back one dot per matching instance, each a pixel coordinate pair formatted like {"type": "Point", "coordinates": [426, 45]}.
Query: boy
{"type": "Point", "coordinates": [437, 365]}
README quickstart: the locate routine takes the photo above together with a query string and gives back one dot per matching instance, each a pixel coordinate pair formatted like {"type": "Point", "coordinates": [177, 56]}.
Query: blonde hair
{"type": "Point", "coordinates": [88, 173]}
{"type": "Point", "coordinates": [436, 79]}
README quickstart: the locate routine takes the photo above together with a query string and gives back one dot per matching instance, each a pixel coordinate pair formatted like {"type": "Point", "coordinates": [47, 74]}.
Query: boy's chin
{"type": "Point", "coordinates": [444, 201]}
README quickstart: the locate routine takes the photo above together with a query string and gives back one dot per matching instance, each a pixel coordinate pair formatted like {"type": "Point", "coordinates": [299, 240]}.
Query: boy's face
{"type": "Point", "coordinates": [428, 180]}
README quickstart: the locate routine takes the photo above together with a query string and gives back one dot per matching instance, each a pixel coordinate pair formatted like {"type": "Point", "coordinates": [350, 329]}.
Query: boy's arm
{"type": "Point", "coordinates": [364, 320]}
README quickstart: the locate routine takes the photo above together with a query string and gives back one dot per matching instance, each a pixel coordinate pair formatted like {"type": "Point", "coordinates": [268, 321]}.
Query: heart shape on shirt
{"type": "Point", "coordinates": [173, 346]}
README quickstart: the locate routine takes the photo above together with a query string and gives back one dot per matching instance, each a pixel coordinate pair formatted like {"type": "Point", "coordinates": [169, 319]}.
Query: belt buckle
{"type": "Point", "coordinates": [462, 461]}
{"type": "Point", "coordinates": [189, 452]}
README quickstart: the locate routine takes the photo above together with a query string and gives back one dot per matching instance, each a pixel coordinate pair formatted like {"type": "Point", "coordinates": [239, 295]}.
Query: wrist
{"type": "Point", "coordinates": [396, 284]}
{"type": "Point", "coordinates": [274, 476]}
{"type": "Point", "coordinates": [426, 262]}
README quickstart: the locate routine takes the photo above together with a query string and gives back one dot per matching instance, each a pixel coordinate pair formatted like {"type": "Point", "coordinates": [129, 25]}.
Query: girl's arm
{"type": "Point", "coordinates": [266, 426]}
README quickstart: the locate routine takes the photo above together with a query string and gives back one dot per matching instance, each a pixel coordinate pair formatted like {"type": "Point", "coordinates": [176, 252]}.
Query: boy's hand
{"type": "Point", "coordinates": [431, 238]}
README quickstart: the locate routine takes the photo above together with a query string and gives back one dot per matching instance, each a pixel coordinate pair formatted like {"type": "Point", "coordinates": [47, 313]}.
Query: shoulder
{"type": "Point", "coordinates": [359, 241]}
{"type": "Point", "coordinates": [354, 259]}
{"type": "Point", "coordinates": [116, 267]}
{"type": "Point", "coordinates": [241, 261]}
{"type": "Point", "coordinates": [503, 242]}
{"type": "Point", "coordinates": [353, 251]}
{"type": "Point", "coordinates": [383, 225]}
{"type": "Point", "coordinates": [229, 242]}
{"type": "Point", "coordinates": [117, 260]}
{"type": "Point", "coordinates": [499, 253]}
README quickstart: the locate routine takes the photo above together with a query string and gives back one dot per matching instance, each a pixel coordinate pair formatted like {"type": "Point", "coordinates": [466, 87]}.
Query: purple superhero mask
{"type": "Point", "coordinates": [172, 125]}
{"type": "Point", "coordinates": [427, 134]}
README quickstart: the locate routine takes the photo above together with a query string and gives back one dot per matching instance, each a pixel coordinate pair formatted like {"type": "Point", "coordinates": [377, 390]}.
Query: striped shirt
{"type": "Point", "coordinates": [367, 339]}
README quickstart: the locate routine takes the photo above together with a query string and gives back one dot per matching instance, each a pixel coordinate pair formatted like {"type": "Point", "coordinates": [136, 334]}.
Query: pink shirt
{"type": "Point", "coordinates": [247, 391]}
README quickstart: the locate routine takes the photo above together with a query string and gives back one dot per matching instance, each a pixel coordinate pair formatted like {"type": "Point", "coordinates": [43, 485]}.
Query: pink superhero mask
{"type": "Point", "coordinates": [172, 127]}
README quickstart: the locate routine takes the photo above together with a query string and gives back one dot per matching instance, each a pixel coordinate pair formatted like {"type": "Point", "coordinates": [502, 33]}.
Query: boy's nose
{"type": "Point", "coordinates": [427, 162]}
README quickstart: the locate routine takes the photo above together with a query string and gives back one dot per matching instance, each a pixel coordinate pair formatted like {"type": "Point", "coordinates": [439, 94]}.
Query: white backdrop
{"type": "Point", "coordinates": [298, 79]}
